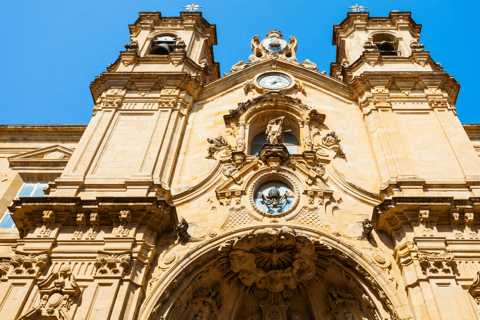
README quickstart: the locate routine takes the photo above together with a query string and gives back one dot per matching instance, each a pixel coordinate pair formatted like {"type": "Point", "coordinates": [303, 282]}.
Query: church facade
{"type": "Point", "coordinates": [273, 192]}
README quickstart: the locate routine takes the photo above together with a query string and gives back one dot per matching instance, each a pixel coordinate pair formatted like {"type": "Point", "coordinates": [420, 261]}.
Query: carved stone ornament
{"type": "Point", "coordinates": [474, 289]}
{"type": "Point", "coordinates": [29, 263]}
{"type": "Point", "coordinates": [205, 304]}
{"type": "Point", "coordinates": [94, 222]}
{"type": "Point", "coordinates": [132, 47]}
{"type": "Point", "coordinates": [112, 264]}
{"type": "Point", "coordinates": [219, 149]}
{"type": "Point", "coordinates": [274, 155]}
{"type": "Point", "coordinates": [4, 268]}
{"type": "Point", "coordinates": [307, 64]}
{"type": "Point", "coordinates": [272, 259]}
{"type": "Point", "coordinates": [124, 227]}
{"type": "Point", "coordinates": [81, 220]}
{"type": "Point", "coordinates": [111, 102]}
{"type": "Point", "coordinates": [180, 46]}
{"type": "Point", "coordinates": [424, 222]}
{"type": "Point", "coordinates": [343, 305]}
{"type": "Point", "coordinates": [182, 230]}
{"type": "Point", "coordinates": [273, 47]}
{"type": "Point", "coordinates": [333, 142]}
{"type": "Point", "coordinates": [274, 130]}
{"type": "Point", "coordinates": [436, 263]}
{"type": "Point", "coordinates": [415, 46]}
{"type": "Point", "coordinates": [48, 218]}
{"type": "Point", "coordinates": [367, 228]}
{"type": "Point", "coordinates": [369, 46]}
{"type": "Point", "coordinates": [57, 293]}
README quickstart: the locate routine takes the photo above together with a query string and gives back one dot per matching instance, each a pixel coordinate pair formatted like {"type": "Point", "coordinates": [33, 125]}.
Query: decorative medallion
{"type": "Point", "coordinates": [274, 197]}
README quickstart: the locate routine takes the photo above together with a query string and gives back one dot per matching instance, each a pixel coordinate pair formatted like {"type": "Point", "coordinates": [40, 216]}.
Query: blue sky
{"type": "Point", "coordinates": [52, 50]}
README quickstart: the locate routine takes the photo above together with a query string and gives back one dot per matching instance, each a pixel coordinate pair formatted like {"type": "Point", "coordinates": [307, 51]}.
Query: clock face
{"type": "Point", "coordinates": [274, 80]}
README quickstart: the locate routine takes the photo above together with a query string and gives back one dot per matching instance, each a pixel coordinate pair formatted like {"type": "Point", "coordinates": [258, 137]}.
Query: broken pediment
{"type": "Point", "coordinates": [55, 156]}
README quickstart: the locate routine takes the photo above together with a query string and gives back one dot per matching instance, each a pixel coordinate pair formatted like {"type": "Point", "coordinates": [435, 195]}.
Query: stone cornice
{"type": "Point", "coordinates": [123, 80]}
{"type": "Point", "coordinates": [308, 77]}
{"type": "Point", "coordinates": [435, 84]}
{"type": "Point", "coordinates": [156, 215]}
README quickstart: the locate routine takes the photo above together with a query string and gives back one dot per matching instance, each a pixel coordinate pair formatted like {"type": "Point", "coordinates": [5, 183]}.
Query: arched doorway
{"type": "Point", "coordinates": [273, 272]}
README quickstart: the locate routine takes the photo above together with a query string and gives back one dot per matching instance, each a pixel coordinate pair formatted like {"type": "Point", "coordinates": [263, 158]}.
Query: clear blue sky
{"type": "Point", "coordinates": [52, 50]}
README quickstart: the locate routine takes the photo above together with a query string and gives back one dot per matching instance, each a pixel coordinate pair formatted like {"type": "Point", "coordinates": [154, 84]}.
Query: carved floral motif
{"type": "Point", "coordinates": [28, 263]}
{"type": "Point", "coordinates": [112, 263]}
{"type": "Point", "coordinates": [435, 263]}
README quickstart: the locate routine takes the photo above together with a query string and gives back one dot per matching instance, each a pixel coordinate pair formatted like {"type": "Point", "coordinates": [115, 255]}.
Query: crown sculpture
{"type": "Point", "coordinates": [271, 48]}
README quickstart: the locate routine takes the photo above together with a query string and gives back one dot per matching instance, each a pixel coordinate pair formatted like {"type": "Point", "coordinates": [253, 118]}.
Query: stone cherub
{"type": "Point", "coordinates": [274, 130]}
{"type": "Point", "coordinates": [216, 144]}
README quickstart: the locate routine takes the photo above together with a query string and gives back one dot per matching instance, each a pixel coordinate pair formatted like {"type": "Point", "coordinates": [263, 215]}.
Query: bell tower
{"type": "Point", "coordinates": [141, 103]}
{"type": "Point", "coordinates": [367, 43]}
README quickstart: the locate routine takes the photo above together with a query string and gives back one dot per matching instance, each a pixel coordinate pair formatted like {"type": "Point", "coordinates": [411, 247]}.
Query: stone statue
{"type": "Point", "coordinates": [182, 230]}
{"type": "Point", "coordinates": [367, 228]}
{"type": "Point", "coordinates": [274, 130]}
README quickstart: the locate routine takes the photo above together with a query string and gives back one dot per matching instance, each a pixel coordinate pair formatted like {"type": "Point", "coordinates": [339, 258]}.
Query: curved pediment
{"type": "Point", "coordinates": [273, 99]}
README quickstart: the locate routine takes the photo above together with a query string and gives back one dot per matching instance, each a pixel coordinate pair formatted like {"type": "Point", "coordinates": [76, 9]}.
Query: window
{"type": "Point", "coordinates": [162, 45]}
{"type": "Point", "coordinates": [29, 189]}
{"type": "Point", "coordinates": [288, 139]}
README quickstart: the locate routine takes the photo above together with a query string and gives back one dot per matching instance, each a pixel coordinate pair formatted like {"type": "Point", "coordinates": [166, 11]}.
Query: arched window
{"type": "Point", "coordinates": [386, 43]}
{"type": "Point", "coordinates": [162, 45]}
{"type": "Point", "coordinates": [288, 139]}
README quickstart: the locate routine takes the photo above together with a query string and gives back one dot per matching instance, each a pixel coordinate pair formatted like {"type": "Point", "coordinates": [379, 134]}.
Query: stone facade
{"type": "Point", "coordinates": [273, 192]}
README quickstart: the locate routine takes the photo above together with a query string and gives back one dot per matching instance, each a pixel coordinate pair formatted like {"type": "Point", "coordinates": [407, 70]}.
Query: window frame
{"type": "Point", "coordinates": [34, 190]}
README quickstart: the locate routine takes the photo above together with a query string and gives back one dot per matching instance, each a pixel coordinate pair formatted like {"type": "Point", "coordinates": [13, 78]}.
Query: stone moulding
{"type": "Point", "coordinates": [271, 98]}
{"type": "Point", "coordinates": [393, 214]}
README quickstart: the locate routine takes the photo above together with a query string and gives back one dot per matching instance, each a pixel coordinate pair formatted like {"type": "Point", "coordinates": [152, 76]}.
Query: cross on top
{"type": "Point", "coordinates": [357, 8]}
{"type": "Point", "coordinates": [192, 7]}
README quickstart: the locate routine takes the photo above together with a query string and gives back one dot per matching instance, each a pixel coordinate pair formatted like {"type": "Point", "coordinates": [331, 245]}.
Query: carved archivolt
{"type": "Point", "coordinates": [270, 264]}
